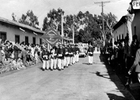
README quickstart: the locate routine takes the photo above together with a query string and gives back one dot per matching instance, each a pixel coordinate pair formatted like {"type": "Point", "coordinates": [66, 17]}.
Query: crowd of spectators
{"type": "Point", "coordinates": [15, 56]}
{"type": "Point", "coordinates": [122, 57]}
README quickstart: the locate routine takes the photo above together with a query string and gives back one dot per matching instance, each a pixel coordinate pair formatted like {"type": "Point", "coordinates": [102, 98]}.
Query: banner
{"type": "Point", "coordinates": [52, 36]}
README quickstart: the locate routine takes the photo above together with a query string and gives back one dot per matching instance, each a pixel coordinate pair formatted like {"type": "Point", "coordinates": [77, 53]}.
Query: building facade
{"type": "Point", "coordinates": [120, 29]}
{"type": "Point", "coordinates": [17, 32]}
{"type": "Point", "coordinates": [136, 24]}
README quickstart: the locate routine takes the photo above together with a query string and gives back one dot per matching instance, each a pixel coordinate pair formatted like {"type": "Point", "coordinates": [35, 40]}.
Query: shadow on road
{"type": "Point", "coordinates": [112, 77]}
{"type": "Point", "coordinates": [102, 75]}
{"type": "Point", "coordinates": [86, 63]}
{"type": "Point", "coordinates": [115, 97]}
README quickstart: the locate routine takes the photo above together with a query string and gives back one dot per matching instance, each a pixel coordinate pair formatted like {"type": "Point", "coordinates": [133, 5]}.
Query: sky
{"type": "Point", "coordinates": [42, 7]}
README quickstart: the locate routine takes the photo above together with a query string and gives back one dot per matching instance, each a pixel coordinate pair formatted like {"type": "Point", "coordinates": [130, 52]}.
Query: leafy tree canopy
{"type": "Point", "coordinates": [87, 27]}
{"type": "Point", "coordinates": [28, 19]}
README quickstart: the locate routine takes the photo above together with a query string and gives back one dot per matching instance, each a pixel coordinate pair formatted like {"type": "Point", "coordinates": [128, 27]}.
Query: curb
{"type": "Point", "coordinates": [126, 88]}
{"type": "Point", "coordinates": [16, 71]}
{"type": "Point", "coordinates": [132, 97]}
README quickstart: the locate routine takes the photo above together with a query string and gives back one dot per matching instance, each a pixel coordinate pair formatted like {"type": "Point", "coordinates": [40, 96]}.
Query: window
{"type": "Point", "coordinates": [119, 37]}
{"type": "Point", "coordinates": [3, 36]}
{"type": "Point", "coordinates": [40, 41]}
{"type": "Point", "coordinates": [135, 30]}
{"type": "Point", "coordinates": [34, 40]}
{"type": "Point", "coordinates": [122, 36]}
{"type": "Point", "coordinates": [26, 40]}
{"type": "Point", "coordinates": [17, 39]}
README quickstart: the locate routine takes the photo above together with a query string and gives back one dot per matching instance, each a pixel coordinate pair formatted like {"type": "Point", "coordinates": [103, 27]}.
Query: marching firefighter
{"type": "Point", "coordinates": [53, 58]}
{"type": "Point", "coordinates": [60, 57]}
{"type": "Point", "coordinates": [66, 56]}
{"type": "Point", "coordinates": [77, 54]}
{"type": "Point", "coordinates": [70, 55]}
{"type": "Point", "coordinates": [73, 52]}
{"type": "Point", "coordinates": [90, 54]}
{"type": "Point", "coordinates": [45, 57]}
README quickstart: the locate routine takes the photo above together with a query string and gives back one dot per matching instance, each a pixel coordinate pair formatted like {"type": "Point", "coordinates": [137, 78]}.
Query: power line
{"type": "Point", "coordinates": [102, 13]}
{"type": "Point", "coordinates": [102, 4]}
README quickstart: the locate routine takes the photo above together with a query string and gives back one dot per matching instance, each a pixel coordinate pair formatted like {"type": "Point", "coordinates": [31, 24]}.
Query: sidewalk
{"type": "Point", "coordinates": [135, 90]}
{"type": "Point", "coordinates": [119, 79]}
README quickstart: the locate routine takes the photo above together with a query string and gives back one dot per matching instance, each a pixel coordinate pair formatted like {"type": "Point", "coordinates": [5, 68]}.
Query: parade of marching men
{"type": "Point", "coordinates": [60, 56]}
{"type": "Point", "coordinates": [70, 50]}
{"type": "Point", "coordinates": [63, 55]}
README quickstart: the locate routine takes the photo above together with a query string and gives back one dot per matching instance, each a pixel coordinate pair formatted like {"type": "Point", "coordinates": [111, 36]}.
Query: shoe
{"type": "Point", "coordinates": [42, 69]}
{"type": "Point", "coordinates": [46, 69]}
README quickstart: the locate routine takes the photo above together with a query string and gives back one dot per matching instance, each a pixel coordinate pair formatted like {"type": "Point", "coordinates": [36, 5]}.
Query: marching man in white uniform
{"type": "Point", "coordinates": [90, 54]}
{"type": "Point", "coordinates": [60, 57]}
{"type": "Point", "coordinates": [66, 56]}
{"type": "Point", "coordinates": [77, 53]}
{"type": "Point", "coordinates": [45, 57]}
{"type": "Point", "coordinates": [53, 58]}
{"type": "Point", "coordinates": [71, 55]}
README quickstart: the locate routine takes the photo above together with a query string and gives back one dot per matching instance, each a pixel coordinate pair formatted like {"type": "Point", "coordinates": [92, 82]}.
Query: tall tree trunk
{"type": "Point", "coordinates": [112, 36]}
{"type": "Point", "coordinates": [129, 26]}
{"type": "Point", "coordinates": [130, 35]}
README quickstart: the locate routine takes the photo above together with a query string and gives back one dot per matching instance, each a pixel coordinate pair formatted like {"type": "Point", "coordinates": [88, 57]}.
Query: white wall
{"type": "Point", "coordinates": [136, 22]}
{"type": "Point", "coordinates": [119, 31]}
{"type": "Point", "coordinates": [12, 31]}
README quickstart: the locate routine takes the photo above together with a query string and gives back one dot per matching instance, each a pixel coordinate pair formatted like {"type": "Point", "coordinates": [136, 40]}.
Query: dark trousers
{"type": "Point", "coordinates": [133, 78]}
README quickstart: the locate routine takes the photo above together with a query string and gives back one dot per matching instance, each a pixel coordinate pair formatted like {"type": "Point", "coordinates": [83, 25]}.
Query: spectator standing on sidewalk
{"type": "Point", "coordinates": [135, 57]}
{"type": "Point", "coordinates": [121, 63]}
{"type": "Point", "coordinates": [136, 65]}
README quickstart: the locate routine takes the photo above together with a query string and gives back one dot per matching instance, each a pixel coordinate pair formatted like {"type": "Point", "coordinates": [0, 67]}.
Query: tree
{"type": "Point", "coordinates": [110, 20]}
{"type": "Point", "coordinates": [68, 25]}
{"type": "Point", "coordinates": [53, 19]}
{"type": "Point", "coordinates": [45, 24]}
{"type": "Point", "coordinates": [29, 19]}
{"type": "Point", "coordinates": [86, 26]}
{"type": "Point", "coordinates": [89, 24]}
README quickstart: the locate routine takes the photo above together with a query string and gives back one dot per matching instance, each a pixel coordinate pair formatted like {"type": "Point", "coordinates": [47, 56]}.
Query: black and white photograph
{"type": "Point", "coordinates": [69, 49]}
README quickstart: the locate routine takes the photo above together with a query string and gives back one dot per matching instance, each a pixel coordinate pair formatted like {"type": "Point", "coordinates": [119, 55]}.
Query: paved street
{"type": "Point", "coordinates": [78, 82]}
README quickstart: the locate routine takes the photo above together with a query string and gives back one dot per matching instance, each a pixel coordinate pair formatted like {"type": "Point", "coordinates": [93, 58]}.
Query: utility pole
{"type": "Point", "coordinates": [73, 30]}
{"type": "Point", "coordinates": [102, 13]}
{"type": "Point", "coordinates": [62, 29]}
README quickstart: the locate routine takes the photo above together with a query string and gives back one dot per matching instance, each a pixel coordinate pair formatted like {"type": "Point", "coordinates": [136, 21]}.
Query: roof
{"type": "Point", "coordinates": [20, 25]}
{"type": "Point", "coordinates": [10, 22]}
{"type": "Point", "coordinates": [121, 21]}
